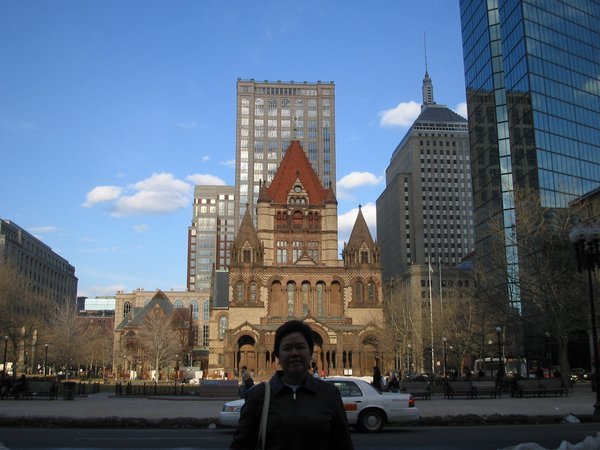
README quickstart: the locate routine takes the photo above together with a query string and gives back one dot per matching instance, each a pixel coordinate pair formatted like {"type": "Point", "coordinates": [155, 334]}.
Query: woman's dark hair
{"type": "Point", "coordinates": [293, 326]}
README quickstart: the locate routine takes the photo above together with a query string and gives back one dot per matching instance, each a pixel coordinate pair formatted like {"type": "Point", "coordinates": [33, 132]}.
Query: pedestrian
{"type": "Point", "coordinates": [20, 387]}
{"type": "Point", "coordinates": [314, 370]}
{"type": "Point", "coordinates": [394, 384]}
{"type": "Point", "coordinates": [376, 378]}
{"type": "Point", "coordinates": [303, 411]}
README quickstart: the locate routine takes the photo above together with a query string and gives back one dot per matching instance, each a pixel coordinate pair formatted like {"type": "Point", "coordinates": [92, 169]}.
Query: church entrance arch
{"type": "Point", "coordinates": [318, 355]}
{"type": "Point", "coordinates": [371, 355]}
{"type": "Point", "coordinates": [246, 354]}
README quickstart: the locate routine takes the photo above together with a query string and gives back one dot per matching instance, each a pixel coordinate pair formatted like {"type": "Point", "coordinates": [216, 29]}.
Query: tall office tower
{"type": "Point", "coordinates": [533, 95]}
{"type": "Point", "coordinates": [424, 215]}
{"type": "Point", "coordinates": [269, 116]}
{"type": "Point", "coordinates": [211, 233]}
{"type": "Point", "coordinates": [46, 273]}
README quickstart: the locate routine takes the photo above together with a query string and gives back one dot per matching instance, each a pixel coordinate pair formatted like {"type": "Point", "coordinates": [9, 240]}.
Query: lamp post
{"type": "Point", "coordinates": [500, 362]}
{"type": "Point", "coordinates": [4, 360]}
{"type": "Point", "coordinates": [176, 368]}
{"type": "Point", "coordinates": [409, 355]}
{"type": "Point", "coordinates": [45, 357]}
{"type": "Point", "coordinates": [548, 352]}
{"type": "Point", "coordinates": [444, 340]}
{"type": "Point", "coordinates": [587, 250]}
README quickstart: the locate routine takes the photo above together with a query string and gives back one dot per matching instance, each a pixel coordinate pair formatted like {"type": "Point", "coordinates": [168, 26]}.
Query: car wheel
{"type": "Point", "coordinates": [371, 421]}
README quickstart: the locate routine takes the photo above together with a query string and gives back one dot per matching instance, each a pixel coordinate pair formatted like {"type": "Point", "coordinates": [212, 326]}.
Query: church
{"type": "Point", "coordinates": [285, 265]}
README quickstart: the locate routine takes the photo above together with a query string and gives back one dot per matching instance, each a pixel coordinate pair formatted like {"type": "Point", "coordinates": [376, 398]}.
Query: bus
{"type": "Point", "coordinates": [512, 366]}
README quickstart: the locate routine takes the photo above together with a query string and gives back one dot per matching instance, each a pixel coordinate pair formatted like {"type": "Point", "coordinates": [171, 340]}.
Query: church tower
{"type": "Point", "coordinates": [288, 268]}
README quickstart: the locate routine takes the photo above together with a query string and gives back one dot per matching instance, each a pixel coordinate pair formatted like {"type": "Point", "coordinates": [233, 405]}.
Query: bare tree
{"type": "Point", "coordinates": [160, 337]}
{"type": "Point", "coordinates": [545, 280]}
{"type": "Point", "coordinates": [67, 336]}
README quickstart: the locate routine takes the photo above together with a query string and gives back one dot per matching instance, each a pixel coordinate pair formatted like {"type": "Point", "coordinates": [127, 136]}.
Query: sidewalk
{"type": "Point", "coordinates": [107, 410]}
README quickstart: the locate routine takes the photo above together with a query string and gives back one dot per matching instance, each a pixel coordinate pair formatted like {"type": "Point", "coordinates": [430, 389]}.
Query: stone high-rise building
{"type": "Point", "coordinates": [287, 267]}
{"type": "Point", "coordinates": [425, 213]}
{"type": "Point", "coordinates": [269, 115]}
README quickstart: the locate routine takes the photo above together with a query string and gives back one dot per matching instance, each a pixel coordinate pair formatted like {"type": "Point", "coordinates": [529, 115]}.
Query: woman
{"type": "Point", "coordinates": [304, 412]}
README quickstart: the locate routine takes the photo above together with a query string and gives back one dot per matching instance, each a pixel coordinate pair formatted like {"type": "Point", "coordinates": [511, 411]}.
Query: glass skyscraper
{"type": "Point", "coordinates": [532, 73]}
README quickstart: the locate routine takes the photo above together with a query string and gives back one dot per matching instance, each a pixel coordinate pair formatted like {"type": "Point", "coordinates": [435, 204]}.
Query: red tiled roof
{"type": "Point", "coordinates": [295, 165]}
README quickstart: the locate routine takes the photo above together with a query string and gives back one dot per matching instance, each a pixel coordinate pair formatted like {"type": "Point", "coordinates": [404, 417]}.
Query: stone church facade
{"type": "Point", "coordinates": [287, 267]}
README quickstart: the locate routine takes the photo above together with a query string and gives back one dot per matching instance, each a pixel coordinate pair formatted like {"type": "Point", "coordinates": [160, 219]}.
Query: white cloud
{"type": "Point", "coordinates": [141, 228]}
{"type": "Point", "coordinates": [357, 179]}
{"type": "Point", "coordinates": [160, 193]}
{"type": "Point", "coordinates": [402, 115]}
{"type": "Point", "coordinates": [188, 125]}
{"type": "Point", "coordinates": [101, 194]}
{"type": "Point", "coordinates": [461, 109]}
{"type": "Point", "coordinates": [229, 163]}
{"type": "Point", "coordinates": [200, 179]}
{"type": "Point", "coordinates": [205, 158]}
{"type": "Point", "coordinates": [89, 251]}
{"type": "Point", "coordinates": [354, 180]}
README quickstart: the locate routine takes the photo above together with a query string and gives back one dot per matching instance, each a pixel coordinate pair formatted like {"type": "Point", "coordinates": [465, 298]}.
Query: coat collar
{"type": "Point", "coordinates": [309, 383]}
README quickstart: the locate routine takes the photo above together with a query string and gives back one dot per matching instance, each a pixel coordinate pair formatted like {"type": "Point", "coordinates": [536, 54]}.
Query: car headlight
{"type": "Point", "coordinates": [227, 408]}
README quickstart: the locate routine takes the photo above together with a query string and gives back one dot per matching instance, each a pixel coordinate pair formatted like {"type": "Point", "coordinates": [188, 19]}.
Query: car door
{"type": "Point", "coordinates": [352, 397]}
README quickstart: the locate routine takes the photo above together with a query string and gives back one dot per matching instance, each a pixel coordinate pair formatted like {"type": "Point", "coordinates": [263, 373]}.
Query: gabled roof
{"type": "Point", "coordinates": [360, 232]}
{"type": "Point", "coordinates": [246, 232]}
{"type": "Point", "coordinates": [159, 300]}
{"type": "Point", "coordinates": [295, 165]}
{"type": "Point", "coordinates": [439, 113]}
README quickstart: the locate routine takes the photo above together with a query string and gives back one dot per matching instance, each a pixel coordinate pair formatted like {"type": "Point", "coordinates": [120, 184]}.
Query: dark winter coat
{"type": "Point", "coordinates": [312, 418]}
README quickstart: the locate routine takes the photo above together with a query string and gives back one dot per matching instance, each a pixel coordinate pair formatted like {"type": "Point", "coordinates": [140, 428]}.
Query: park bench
{"type": "Point", "coordinates": [418, 389]}
{"type": "Point", "coordinates": [526, 388]}
{"type": "Point", "coordinates": [36, 388]}
{"type": "Point", "coordinates": [483, 388]}
{"type": "Point", "coordinates": [553, 386]}
{"type": "Point", "coordinates": [460, 388]}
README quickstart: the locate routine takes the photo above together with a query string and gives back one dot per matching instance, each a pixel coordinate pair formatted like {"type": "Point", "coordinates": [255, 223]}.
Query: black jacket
{"type": "Point", "coordinates": [314, 418]}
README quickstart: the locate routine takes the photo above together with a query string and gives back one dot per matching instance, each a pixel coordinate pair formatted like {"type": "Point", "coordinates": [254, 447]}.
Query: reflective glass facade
{"type": "Point", "coordinates": [532, 73]}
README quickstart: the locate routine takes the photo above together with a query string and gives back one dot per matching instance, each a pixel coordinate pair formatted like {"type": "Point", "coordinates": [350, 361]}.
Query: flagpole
{"type": "Point", "coordinates": [441, 301]}
{"type": "Point", "coordinates": [431, 320]}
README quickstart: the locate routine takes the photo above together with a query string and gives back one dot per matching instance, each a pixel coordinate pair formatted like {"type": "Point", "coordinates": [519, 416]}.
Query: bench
{"type": "Point", "coordinates": [553, 386]}
{"type": "Point", "coordinates": [482, 388]}
{"type": "Point", "coordinates": [525, 388]}
{"type": "Point", "coordinates": [418, 389]}
{"type": "Point", "coordinates": [37, 388]}
{"type": "Point", "coordinates": [460, 388]}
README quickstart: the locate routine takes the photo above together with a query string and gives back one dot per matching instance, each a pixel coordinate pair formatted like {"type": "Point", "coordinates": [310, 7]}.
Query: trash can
{"type": "Point", "coordinates": [68, 390]}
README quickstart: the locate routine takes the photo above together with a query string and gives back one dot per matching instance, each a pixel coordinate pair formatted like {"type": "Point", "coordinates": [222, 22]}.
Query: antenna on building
{"type": "Point", "coordinates": [425, 46]}
{"type": "Point", "coordinates": [427, 85]}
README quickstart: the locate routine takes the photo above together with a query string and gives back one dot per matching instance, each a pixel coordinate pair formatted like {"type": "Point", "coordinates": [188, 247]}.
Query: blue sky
{"type": "Point", "coordinates": [111, 111]}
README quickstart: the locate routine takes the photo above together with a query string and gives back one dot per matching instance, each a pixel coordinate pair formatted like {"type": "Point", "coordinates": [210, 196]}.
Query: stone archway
{"type": "Point", "coordinates": [246, 353]}
{"type": "Point", "coordinates": [370, 354]}
{"type": "Point", "coordinates": [318, 355]}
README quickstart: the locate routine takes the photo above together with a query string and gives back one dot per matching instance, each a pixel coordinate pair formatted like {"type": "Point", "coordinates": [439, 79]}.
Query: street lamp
{"type": "Point", "coordinates": [176, 368]}
{"type": "Point", "coordinates": [500, 362]}
{"type": "Point", "coordinates": [548, 351]}
{"type": "Point", "coordinates": [444, 340]}
{"type": "Point", "coordinates": [409, 356]}
{"type": "Point", "coordinates": [4, 360]}
{"type": "Point", "coordinates": [587, 250]}
{"type": "Point", "coordinates": [45, 357]}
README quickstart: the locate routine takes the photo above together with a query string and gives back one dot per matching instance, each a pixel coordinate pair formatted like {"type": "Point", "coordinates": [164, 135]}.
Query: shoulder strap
{"type": "Point", "coordinates": [262, 432]}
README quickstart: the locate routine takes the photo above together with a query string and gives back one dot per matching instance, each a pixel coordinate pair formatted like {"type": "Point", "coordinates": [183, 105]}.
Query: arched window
{"type": "Point", "coordinates": [194, 304]}
{"type": "Point", "coordinates": [320, 297]}
{"type": "Point", "coordinates": [291, 294]}
{"type": "Point", "coordinates": [259, 106]}
{"type": "Point", "coordinates": [358, 292]}
{"type": "Point", "coordinates": [126, 308]}
{"type": "Point", "coordinates": [206, 310]}
{"type": "Point", "coordinates": [285, 107]}
{"type": "Point", "coordinates": [253, 292]}
{"type": "Point", "coordinates": [222, 327]}
{"type": "Point", "coordinates": [178, 303]}
{"type": "Point", "coordinates": [239, 292]}
{"type": "Point", "coordinates": [371, 288]}
{"type": "Point", "coordinates": [305, 294]}
{"type": "Point", "coordinates": [297, 220]}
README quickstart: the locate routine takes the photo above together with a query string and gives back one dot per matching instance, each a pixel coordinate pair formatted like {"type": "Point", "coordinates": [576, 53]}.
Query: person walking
{"type": "Point", "coordinates": [303, 411]}
{"type": "Point", "coordinates": [376, 378]}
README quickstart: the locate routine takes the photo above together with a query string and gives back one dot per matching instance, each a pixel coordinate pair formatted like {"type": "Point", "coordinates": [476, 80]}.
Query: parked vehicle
{"type": "Point", "coordinates": [366, 408]}
{"type": "Point", "coordinates": [580, 374]}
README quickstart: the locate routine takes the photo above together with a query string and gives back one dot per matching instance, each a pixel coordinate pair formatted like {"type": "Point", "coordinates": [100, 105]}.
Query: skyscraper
{"type": "Point", "coordinates": [424, 215]}
{"type": "Point", "coordinates": [269, 115]}
{"type": "Point", "coordinates": [533, 94]}
{"type": "Point", "coordinates": [210, 234]}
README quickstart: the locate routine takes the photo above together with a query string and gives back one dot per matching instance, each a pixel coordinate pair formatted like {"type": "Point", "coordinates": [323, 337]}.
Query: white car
{"type": "Point", "coordinates": [366, 408]}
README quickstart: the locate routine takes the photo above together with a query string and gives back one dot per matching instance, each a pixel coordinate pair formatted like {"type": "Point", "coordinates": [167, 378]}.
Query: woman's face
{"type": "Point", "coordinates": [294, 354]}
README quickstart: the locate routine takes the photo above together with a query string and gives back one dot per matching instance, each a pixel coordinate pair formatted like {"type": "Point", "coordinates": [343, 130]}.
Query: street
{"type": "Point", "coordinates": [422, 438]}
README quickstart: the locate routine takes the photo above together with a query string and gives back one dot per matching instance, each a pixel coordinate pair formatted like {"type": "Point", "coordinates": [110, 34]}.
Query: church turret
{"type": "Point", "coordinates": [246, 247]}
{"type": "Point", "coordinates": [360, 249]}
